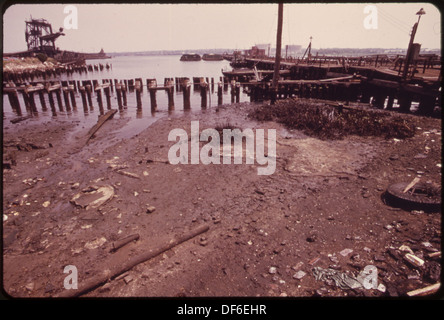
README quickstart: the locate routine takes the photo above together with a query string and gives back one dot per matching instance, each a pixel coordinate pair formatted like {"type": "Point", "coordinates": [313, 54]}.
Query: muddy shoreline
{"type": "Point", "coordinates": [266, 233]}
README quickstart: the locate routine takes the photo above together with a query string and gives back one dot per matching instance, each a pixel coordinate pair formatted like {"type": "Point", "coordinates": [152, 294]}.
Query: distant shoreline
{"type": "Point", "coordinates": [326, 51]}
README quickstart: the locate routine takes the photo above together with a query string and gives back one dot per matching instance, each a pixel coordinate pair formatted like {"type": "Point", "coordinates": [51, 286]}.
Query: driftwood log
{"type": "Point", "coordinates": [103, 278]}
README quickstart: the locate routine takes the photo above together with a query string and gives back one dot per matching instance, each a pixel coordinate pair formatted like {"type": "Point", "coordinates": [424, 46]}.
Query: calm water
{"type": "Point", "coordinates": [131, 67]}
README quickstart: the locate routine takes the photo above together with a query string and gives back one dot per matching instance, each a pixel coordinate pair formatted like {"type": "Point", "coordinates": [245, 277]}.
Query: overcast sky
{"type": "Point", "coordinates": [141, 27]}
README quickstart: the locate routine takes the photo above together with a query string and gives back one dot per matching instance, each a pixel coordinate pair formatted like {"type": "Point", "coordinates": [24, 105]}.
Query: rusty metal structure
{"type": "Point", "coordinates": [40, 38]}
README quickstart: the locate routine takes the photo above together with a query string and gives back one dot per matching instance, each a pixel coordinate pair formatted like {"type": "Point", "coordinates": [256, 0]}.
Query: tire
{"type": "Point", "coordinates": [425, 197]}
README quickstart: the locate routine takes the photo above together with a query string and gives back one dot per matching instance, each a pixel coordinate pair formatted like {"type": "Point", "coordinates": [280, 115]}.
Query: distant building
{"type": "Point", "coordinates": [255, 52]}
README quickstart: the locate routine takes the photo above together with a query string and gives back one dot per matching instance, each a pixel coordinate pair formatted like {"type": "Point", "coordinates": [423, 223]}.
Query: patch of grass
{"type": "Point", "coordinates": [328, 122]}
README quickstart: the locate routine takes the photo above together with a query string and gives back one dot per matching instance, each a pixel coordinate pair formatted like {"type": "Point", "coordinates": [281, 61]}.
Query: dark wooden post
{"type": "Point", "coordinates": [390, 101]}
{"type": "Point", "coordinates": [219, 94]}
{"type": "Point", "coordinates": [152, 89]}
{"type": "Point", "coordinates": [98, 91]}
{"type": "Point", "coordinates": [237, 92]}
{"type": "Point", "coordinates": [84, 102]}
{"type": "Point", "coordinates": [233, 90]}
{"type": "Point", "coordinates": [119, 95]}
{"type": "Point", "coordinates": [88, 95]}
{"type": "Point", "coordinates": [124, 90]}
{"type": "Point", "coordinates": [186, 89]}
{"type": "Point", "coordinates": [51, 102]}
{"type": "Point", "coordinates": [170, 92]}
{"type": "Point", "coordinates": [277, 62]}
{"type": "Point", "coordinates": [203, 94]}
{"type": "Point", "coordinates": [73, 98]}
{"type": "Point", "coordinates": [66, 98]}
{"type": "Point", "coordinates": [59, 99]}
{"type": "Point", "coordinates": [138, 86]}
{"type": "Point", "coordinates": [106, 89]}
{"type": "Point", "coordinates": [42, 100]}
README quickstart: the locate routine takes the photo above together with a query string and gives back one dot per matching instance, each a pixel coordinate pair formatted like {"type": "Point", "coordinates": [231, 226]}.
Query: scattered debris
{"type": "Point", "coordinates": [414, 195]}
{"type": "Point", "coordinates": [129, 264]}
{"type": "Point", "coordinates": [425, 291]}
{"type": "Point", "coordinates": [93, 196]}
{"type": "Point", "coordinates": [414, 260]}
{"type": "Point", "coordinates": [128, 174]}
{"type": "Point", "coordinates": [122, 242]}
{"type": "Point", "coordinates": [341, 280]}
{"type": "Point", "coordinates": [20, 119]}
{"type": "Point", "coordinates": [95, 243]}
{"type": "Point", "coordinates": [345, 252]}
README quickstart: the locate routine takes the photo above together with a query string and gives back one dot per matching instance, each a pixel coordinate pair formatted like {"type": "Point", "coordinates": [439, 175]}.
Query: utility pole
{"type": "Point", "coordinates": [408, 56]}
{"type": "Point", "coordinates": [277, 63]}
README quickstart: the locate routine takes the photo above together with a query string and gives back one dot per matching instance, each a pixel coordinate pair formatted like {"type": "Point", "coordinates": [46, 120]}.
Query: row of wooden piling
{"type": "Point", "coordinates": [368, 92]}
{"type": "Point", "coordinates": [48, 72]}
{"type": "Point", "coordinates": [63, 92]}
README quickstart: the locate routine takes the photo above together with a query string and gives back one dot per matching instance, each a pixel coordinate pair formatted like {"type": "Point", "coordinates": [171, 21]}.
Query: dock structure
{"type": "Point", "coordinates": [376, 80]}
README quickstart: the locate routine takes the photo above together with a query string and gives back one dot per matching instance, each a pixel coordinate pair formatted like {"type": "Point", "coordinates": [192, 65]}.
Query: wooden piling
{"type": "Point", "coordinates": [138, 86]}
{"type": "Point", "coordinates": [119, 95]}
{"type": "Point", "coordinates": [51, 102]}
{"type": "Point", "coordinates": [219, 94]}
{"type": "Point", "coordinates": [108, 96]}
{"type": "Point", "coordinates": [124, 99]}
{"type": "Point", "coordinates": [32, 102]}
{"type": "Point", "coordinates": [66, 98]}
{"type": "Point", "coordinates": [170, 92]}
{"type": "Point", "coordinates": [233, 90]}
{"type": "Point", "coordinates": [152, 84]}
{"type": "Point", "coordinates": [73, 98]}
{"type": "Point", "coordinates": [186, 89]}
{"type": "Point", "coordinates": [98, 91]}
{"type": "Point", "coordinates": [405, 102]}
{"type": "Point", "coordinates": [59, 99]}
{"type": "Point", "coordinates": [42, 100]}
{"type": "Point", "coordinates": [84, 102]}
{"type": "Point", "coordinates": [203, 94]}
{"type": "Point", "coordinates": [237, 92]}
{"type": "Point", "coordinates": [390, 102]}
{"type": "Point", "coordinates": [88, 95]}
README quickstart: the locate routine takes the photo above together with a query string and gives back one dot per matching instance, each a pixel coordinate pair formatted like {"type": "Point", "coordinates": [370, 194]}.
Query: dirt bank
{"type": "Point", "coordinates": [322, 207]}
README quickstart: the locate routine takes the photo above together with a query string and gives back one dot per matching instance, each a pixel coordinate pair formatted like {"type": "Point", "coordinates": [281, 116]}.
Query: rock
{"type": "Point", "coordinates": [95, 243]}
{"type": "Point", "coordinates": [272, 270]}
{"type": "Point", "coordinates": [299, 275]}
{"type": "Point", "coordinates": [203, 241]}
{"type": "Point", "coordinates": [433, 271]}
{"type": "Point", "coordinates": [379, 258]}
{"type": "Point", "coordinates": [128, 279]}
{"type": "Point", "coordinates": [333, 258]}
{"type": "Point", "coordinates": [46, 204]}
{"type": "Point", "coordinates": [405, 248]}
{"type": "Point", "coordinates": [75, 185]}
{"type": "Point", "coordinates": [345, 252]}
{"type": "Point", "coordinates": [150, 209]}
{"type": "Point", "coordinates": [30, 286]}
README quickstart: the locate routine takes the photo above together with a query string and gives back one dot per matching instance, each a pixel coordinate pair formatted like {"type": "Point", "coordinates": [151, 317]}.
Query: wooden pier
{"type": "Point", "coordinates": [376, 82]}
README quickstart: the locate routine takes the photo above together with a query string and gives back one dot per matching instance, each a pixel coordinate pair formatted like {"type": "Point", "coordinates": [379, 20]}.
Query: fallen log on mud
{"type": "Point", "coordinates": [104, 277]}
